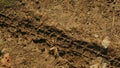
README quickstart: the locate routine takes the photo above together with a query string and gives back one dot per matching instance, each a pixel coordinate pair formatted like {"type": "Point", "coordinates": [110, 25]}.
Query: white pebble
{"type": "Point", "coordinates": [106, 42]}
{"type": "Point", "coordinates": [96, 36]}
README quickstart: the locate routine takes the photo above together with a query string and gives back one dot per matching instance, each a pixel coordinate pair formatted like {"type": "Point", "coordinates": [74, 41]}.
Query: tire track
{"type": "Point", "coordinates": [68, 44]}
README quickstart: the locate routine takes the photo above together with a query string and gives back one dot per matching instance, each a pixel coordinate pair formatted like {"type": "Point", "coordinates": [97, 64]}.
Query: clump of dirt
{"type": "Point", "coordinates": [60, 33]}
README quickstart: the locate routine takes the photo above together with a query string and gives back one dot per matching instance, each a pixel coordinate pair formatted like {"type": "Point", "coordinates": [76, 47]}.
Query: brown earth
{"type": "Point", "coordinates": [60, 33]}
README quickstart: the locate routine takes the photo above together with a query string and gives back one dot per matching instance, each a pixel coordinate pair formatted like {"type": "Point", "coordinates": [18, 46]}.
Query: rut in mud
{"type": "Point", "coordinates": [51, 36]}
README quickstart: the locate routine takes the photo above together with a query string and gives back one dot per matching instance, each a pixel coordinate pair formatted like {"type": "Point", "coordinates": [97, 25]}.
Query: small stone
{"type": "Point", "coordinates": [106, 42]}
{"type": "Point", "coordinates": [96, 36]}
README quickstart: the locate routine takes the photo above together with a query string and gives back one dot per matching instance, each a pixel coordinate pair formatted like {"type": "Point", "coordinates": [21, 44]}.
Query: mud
{"type": "Point", "coordinates": [28, 35]}
{"type": "Point", "coordinates": [42, 34]}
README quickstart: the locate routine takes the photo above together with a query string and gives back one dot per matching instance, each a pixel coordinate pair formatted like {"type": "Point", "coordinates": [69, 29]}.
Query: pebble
{"type": "Point", "coordinates": [96, 36]}
{"type": "Point", "coordinates": [106, 42]}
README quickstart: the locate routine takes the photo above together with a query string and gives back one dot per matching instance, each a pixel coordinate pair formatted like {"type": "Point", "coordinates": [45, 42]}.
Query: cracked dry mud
{"type": "Point", "coordinates": [67, 46]}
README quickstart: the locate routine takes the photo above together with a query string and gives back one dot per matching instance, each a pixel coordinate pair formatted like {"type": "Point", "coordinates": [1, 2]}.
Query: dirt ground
{"type": "Point", "coordinates": [60, 33]}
